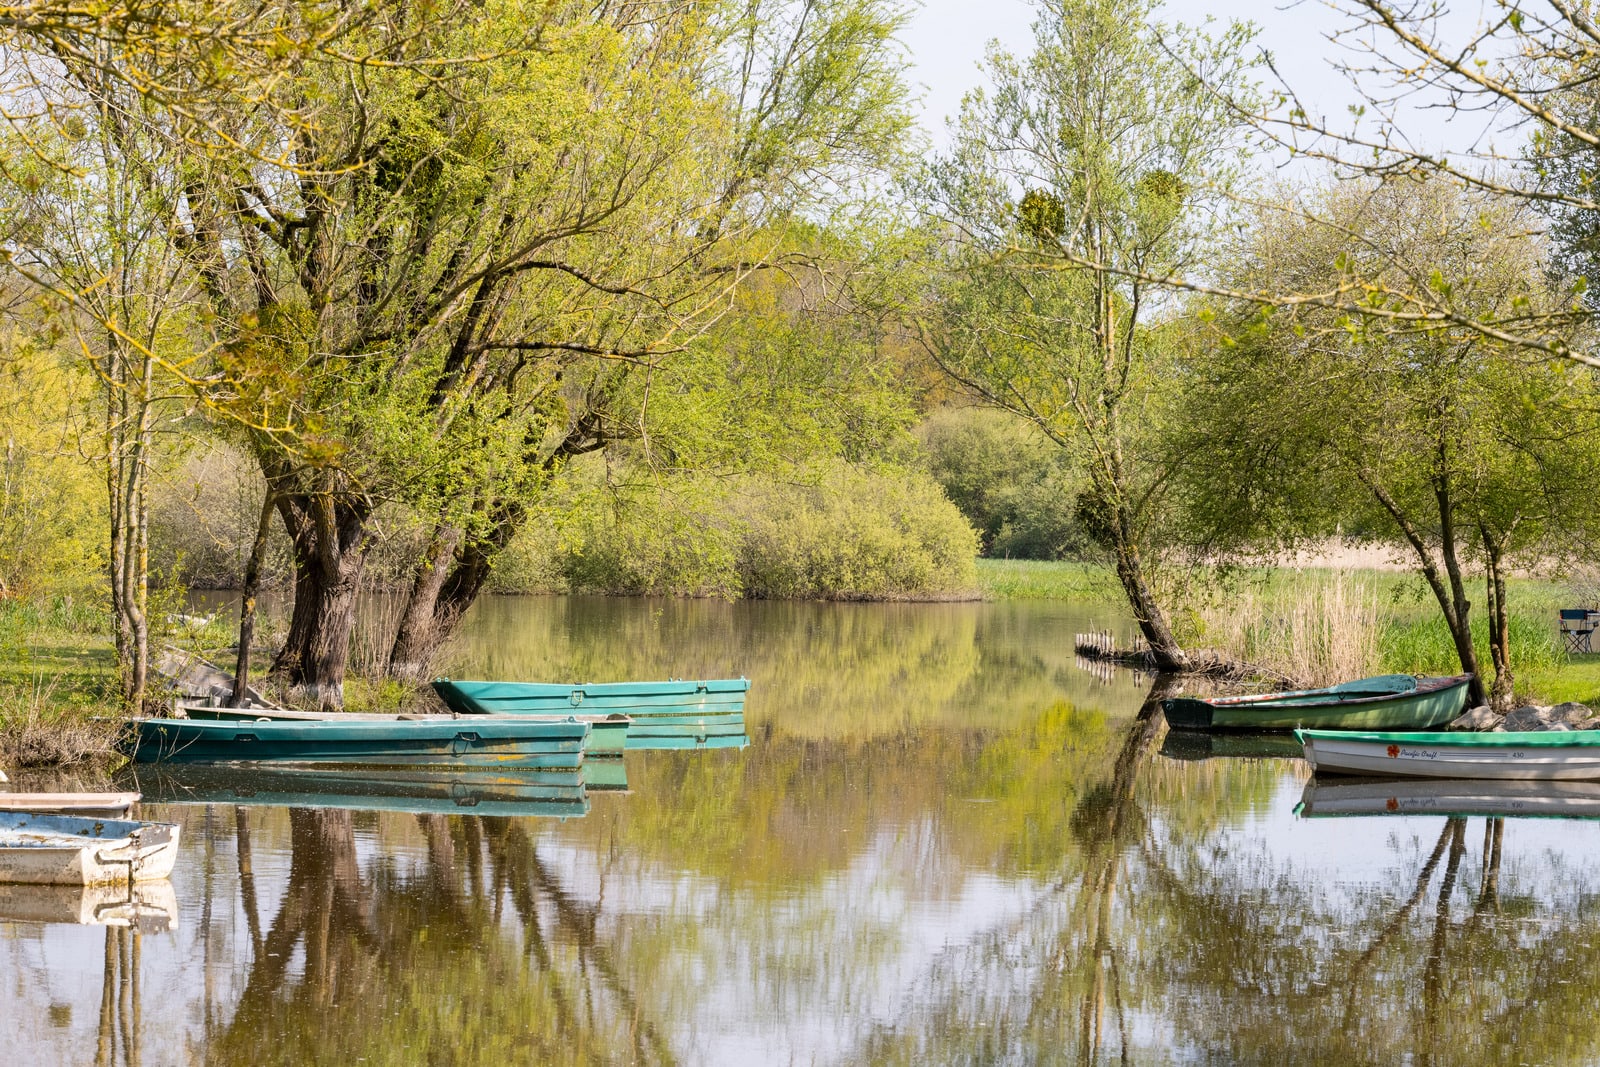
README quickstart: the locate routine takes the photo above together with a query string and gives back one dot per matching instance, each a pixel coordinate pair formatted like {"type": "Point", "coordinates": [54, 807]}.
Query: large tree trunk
{"type": "Point", "coordinates": [1459, 616]}
{"type": "Point", "coordinates": [457, 565]}
{"type": "Point", "coordinates": [1169, 655]}
{"type": "Point", "coordinates": [330, 547]}
{"type": "Point", "coordinates": [421, 632]}
{"type": "Point", "coordinates": [1499, 620]}
{"type": "Point", "coordinates": [128, 380]}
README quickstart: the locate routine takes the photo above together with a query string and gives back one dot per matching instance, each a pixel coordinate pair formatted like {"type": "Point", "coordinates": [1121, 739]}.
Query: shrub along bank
{"type": "Point", "coordinates": [833, 531]}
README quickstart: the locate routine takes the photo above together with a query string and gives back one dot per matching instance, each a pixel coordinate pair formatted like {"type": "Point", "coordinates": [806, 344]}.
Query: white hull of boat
{"type": "Point", "coordinates": [1453, 796]}
{"type": "Point", "coordinates": [72, 850]}
{"type": "Point", "coordinates": [1421, 760]}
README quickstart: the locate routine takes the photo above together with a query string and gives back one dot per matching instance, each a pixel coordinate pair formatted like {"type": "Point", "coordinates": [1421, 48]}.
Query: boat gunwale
{"type": "Point", "coordinates": [506, 728]}
{"type": "Point", "coordinates": [1463, 739]}
{"type": "Point", "coordinates": [669, 687]}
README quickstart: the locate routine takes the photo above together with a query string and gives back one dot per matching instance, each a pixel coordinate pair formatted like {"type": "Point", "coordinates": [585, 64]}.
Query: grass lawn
{"type": "Point", "coordinates": [1029, 579]}
{"type": "Point", "coordinates": [1578, 678]}
{"type": "Point", "coordinates": [54, 686]}
{"type": "Point", "coordinates": [58, 675]}
{"type": "Point", "coordinates": [56, 670]}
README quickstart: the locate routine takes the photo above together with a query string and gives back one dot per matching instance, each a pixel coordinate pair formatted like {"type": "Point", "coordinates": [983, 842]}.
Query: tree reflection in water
{"type": "Point", "coordinates": [120, 1010]}
{"type": "Point", "coordinates": [426, 966]}
{"type": "Point", "coordinates": [1047, 891]}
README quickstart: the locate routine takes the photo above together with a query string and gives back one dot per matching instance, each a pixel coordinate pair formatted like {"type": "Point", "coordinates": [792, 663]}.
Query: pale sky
{"type": "Point", "coordinates": [946, 40]}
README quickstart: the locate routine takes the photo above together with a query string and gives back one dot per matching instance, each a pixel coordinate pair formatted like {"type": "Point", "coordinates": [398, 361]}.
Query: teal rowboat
{"type": "Point", "coordinates": [500, 742]}
{"type": "Point", "coordinates": [687, 714]}
{"type": "Point", "coordinates": [1548, 755]}
{"type": "Point", "coordinates": [607, 733]}
{"type": "Point", "coordinates": [1387, 702]}
{"type": "Point", "coordinates": [716, 697]}
{"type": "Point", "coordinates": [435, 791]}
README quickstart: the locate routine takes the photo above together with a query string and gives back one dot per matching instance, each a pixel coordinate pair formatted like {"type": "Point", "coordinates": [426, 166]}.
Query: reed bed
{"type": "Point", "coordinates": [1315, 627]}
{"type": "Point", "coordinates": [1325, 626]}
{"type": "Point", "coordinates": [36, 731]}
{"type": "Point", "coordinates": [1422, 644]}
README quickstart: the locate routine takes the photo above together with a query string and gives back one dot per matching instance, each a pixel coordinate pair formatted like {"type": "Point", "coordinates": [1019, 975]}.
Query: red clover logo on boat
{"type": "Point", "coordinates": [1394, 751]}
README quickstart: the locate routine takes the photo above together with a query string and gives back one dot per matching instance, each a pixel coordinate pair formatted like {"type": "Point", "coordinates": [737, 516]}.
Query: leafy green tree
{"type": "Point", "coordinates": [437, 256]}
{"type": "Point", "coordinates": [804, 103]}
{"type": "Point", "coordinates": [1007, 479]}
{"type": "Point", "coordinates": [1452, 445]}
{"type": "Point", "coordinates": [1094, 164]}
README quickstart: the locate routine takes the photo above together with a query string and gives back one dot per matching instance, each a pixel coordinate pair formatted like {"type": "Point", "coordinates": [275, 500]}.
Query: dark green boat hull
{"type": "Point", "coordinates": [1432, 702]}
{"type": "Point", "coordinates": [506, 742]}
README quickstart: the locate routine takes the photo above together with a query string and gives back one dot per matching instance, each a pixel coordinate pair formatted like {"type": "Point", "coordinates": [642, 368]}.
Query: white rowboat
{"type": "Point", "coordinates": [75, 850]}
{"type": "Point", "coordinates": [1554, 755]}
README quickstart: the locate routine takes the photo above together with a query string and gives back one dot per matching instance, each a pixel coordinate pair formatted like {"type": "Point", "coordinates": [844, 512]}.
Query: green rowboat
{"type": "Point", "coordinates": [635, 699]}
{"type": "Point", "coordinates": [1387, 702]}
{"type": "Point", "coordinates": [488, 743]}
{"type": "Point", "coordinates": [1546, 755]}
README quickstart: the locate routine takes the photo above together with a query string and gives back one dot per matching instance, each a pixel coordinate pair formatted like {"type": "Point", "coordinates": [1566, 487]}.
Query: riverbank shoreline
{"type": "Point", "coordinates": [58, 669]}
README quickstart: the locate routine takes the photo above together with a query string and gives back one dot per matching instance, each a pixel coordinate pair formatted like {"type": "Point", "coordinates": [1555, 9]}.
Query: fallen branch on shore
{"type": "Point", "coordinates": [1102, 646]}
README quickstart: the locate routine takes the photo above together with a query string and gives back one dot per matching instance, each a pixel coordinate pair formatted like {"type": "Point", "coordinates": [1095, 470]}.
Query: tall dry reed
{"type": "Point", "coordinates": [1315, 626]}
{"type": "Point", "coordinates": [34, 733]}
{"type": "Point", "coordinates": [378, 615]}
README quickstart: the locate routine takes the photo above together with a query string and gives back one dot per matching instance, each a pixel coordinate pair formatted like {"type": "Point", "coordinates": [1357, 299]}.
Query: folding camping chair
{"type": "Point", "coordinates": [1576, 626]}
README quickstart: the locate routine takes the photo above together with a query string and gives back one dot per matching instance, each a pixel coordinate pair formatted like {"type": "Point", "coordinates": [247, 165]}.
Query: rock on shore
{"type": "Point", "coordinates": [1529, 718]}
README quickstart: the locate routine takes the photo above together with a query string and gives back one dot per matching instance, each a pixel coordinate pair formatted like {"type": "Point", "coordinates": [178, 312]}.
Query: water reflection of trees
{"type": "Point", "coordinates": [1142, 921]}
{"type": "Point", "coordinates": [1168, 943]}
{"type": "Point", "coordinates": [121, 1013]}
{"type": "Point", "coordinates": [822, 671]}
{"type": "Point", "coordinates": [476, 953]}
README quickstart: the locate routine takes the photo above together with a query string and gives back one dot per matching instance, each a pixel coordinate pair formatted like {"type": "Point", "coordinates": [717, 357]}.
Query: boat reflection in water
{"type": "Point", "coordinates": [150, 907]}
{"type": "Point", "coordinates": [1460, 797]}
{"type": "Point", "coordinates": [1200, 745]}
{"type": "Point", "coordinates": [557, 794]}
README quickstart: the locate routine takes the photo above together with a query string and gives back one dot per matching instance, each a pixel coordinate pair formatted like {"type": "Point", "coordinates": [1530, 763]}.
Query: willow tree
{"type": "Point", "coordinates": [465, 251]}
{"type": "Point", "coordinates": [1454, 447]}
{"type": "Point", "coordinates": [1093, 165]}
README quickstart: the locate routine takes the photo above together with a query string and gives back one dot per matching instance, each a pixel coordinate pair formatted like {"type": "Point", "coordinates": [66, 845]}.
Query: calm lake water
{"type": "Point", "coordinates": [948, 842]}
